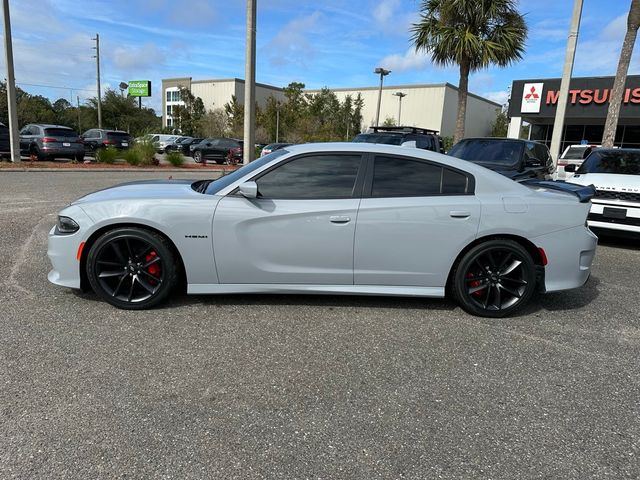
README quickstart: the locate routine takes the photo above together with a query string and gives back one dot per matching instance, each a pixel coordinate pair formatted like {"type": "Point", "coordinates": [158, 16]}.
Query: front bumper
{"type": "Point", "coordinates": [63, 250]}
{"type": "Point", "coordinates": [570, 253]}
{"type": "Point", "coordinates": [630, 222]}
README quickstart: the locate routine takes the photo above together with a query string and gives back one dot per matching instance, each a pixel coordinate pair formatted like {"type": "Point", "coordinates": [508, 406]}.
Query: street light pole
{"type": "Point", "coordinates": [248, 151]}
{"type": "Point", "coordinates": [97, 57]}
{"type": "Point", "coordinates": [11, 86]}
{"type": "Point", "coordinates": [400, 96]}
{"type": "Point", "coordinates": [277, 122]}
{"type": "Point", "coordinates": [382, 72]}
{"type": "Point", "coordinates": [558, 124]}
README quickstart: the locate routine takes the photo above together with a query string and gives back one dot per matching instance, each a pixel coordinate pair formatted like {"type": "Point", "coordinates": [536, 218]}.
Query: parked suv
{"type": "Point", "coordinates": [511, 157]}
{"type": "Point", "coordinates": [424, 138]}
{"type": "Point", "coordinates": [221, 150]}
{"type": "Point", "coordinates": [5, 142]}
{"type": "Point", "coordinates": [96, 138]}
{"type": "Point", "coordinates": [51, 141]}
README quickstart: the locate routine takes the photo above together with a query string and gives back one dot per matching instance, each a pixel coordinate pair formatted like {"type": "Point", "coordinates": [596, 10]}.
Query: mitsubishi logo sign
{"type": "Point", "coordinates": [531, 97]}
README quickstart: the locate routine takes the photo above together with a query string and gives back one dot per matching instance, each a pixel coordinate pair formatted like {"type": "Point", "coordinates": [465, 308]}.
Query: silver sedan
{"type": "Point", "coordinates": [341, 218]}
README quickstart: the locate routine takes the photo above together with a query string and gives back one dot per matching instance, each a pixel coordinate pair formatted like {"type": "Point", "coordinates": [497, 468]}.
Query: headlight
{"type": "Point", "coordinates": [66, 226]}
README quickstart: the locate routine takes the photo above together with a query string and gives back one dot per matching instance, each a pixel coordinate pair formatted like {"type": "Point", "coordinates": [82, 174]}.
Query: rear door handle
{"type": "Point", "coordinates": [459, 214]}
{"type": "Point", "coordinates": [339, 219]}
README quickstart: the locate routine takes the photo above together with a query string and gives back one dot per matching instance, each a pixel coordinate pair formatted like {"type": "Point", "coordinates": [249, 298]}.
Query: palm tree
{"type": "Point", "coordinates": [633, 21]}
{"type": "Point", "coordinates": [472, 34]}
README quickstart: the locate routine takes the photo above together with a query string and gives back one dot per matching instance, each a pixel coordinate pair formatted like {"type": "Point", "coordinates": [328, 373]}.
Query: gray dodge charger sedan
{"type": "Point", "coordinates": [335, 218]}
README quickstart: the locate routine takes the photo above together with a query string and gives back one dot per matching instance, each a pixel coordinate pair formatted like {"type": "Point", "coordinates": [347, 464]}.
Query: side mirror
{"type": "Point", "coordinates": [249, 189]}
{"type": "Point", "coordinates": [571, 168]}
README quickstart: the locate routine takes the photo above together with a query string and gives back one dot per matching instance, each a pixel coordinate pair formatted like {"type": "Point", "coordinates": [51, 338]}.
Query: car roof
{"type": "Point", "coordinates": [502, 139]}
{"type": "Point", "coordinates": [50, 125]}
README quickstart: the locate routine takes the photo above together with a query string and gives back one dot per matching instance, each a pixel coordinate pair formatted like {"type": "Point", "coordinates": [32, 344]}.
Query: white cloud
{"type": "Point", "coordinates": [500, 96]}
{"type": "Point", "coordinates": [137, 58]}
{"type": "Point", "coordinates": [410, 60]}
{"type": "Point", "coordinates": [291, 45]}
{"type": "Point", "coordinates": [385, 10]}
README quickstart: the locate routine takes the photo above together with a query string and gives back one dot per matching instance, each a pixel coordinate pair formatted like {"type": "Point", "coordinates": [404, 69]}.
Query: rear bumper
{"type": "Point", "coordinates": [570, 254]}
{"type": "Point", "coordinates": [62, 151]}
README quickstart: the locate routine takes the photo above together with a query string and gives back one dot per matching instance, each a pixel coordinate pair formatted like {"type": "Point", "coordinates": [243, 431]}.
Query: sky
{"type": "Point", "coordinates": [319, 43]}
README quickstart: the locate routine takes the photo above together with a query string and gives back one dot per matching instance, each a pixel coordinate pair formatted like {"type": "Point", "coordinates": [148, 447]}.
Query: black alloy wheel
{"type": "Point", "coordinates": [132, 268]}
{"type": "Point", "coordinates": [494, 279]}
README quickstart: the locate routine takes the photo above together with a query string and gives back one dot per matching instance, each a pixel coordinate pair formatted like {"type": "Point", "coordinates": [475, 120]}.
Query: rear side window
{"type": "Point", "coordinates": [401, 177]}
{"type": "Point", "coordinates": [314, 176]}
{"type": "Point", "coordinates": [60, 132]}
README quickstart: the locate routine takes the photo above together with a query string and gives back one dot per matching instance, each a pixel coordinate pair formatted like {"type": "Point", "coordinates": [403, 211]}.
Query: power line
{"type": "Point", "coordinates": [55, 86]}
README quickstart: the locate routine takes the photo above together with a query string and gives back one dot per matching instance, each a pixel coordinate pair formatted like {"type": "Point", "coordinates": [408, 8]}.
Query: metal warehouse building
{"type": "Point", "coordinates": [428, 106]}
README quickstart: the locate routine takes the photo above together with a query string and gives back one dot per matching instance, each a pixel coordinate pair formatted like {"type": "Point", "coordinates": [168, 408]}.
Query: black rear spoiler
{"type": "Point", "coordinates": [584, 193]}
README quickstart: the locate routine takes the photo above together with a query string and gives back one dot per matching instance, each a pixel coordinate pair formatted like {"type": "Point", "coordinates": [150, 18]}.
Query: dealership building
{"type": "Point", "coordinates": [427, 106]}
{"type": "Point", "coordinates": [535, 101]}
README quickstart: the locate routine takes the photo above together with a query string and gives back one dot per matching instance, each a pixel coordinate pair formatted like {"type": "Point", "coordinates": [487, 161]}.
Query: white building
{"type": "Point", "coordinates": [427, 106]}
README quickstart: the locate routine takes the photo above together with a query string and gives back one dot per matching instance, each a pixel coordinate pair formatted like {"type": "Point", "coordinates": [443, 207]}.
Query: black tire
{"type": "Point", "coordinates": [38, 154]}
{"type": "Point", "coordinates": [79, 158]}
{"type": "Point", "coordinates": [494, 279]}
{"type": "Point", "coordinates": [132, 268]}
{"type": "Point", "coordinates": [197, 156]}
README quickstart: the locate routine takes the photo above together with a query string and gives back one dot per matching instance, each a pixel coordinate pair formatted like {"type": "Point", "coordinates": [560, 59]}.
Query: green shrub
{"type": "Point", "coordinates": [132, 156]}
{"type": "Point", "coordinates": [106, 155]}
{"type": "Point", "coordinates": [175, 158]}
{"type": "Point", "coordinates": [147, 153]}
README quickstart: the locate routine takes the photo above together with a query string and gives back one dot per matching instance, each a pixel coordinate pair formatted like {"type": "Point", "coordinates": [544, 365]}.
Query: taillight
{"type": "Point", "coordinates": [108, 142]}
{"type": "Point", "coordinates": [48, 140]}
{"type": "Point", "coordinates": [236, 150]}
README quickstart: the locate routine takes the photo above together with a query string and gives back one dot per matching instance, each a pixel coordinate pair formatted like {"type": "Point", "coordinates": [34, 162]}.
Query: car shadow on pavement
{"type": "Point", "coordinates": [566, 300]}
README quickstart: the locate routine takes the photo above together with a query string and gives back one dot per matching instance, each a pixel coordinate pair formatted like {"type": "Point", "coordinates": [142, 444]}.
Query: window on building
{"type": "Point", "coordinates": [169, 110]}
{"type": "Point", "coordinates": [169, 122]}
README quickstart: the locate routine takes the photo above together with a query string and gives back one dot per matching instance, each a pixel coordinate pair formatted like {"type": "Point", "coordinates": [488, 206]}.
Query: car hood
{"type": "Point", "coordinates": [608, 181]}
{"type": "Point", "coordinates": [145, 189]}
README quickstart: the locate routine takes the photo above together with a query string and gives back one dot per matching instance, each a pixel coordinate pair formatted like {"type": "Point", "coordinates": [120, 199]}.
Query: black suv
{"type": "Point", "coordinates": [221, 150]}
{"type": "Point", "coordinates": [511, 157]}
{"type": "Point", "coordinates": [424, 138]}
{"type": "Point", "coordinates": [96, 138]}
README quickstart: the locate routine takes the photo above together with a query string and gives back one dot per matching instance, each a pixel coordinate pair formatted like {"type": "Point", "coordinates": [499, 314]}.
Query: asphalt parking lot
{"type": "Point", "coordinates": [278, 387]}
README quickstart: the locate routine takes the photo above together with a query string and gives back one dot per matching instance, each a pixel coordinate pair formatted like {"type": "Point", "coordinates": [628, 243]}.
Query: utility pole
{"type": "Point", "coordinates": [400, 96]}
{"type": "Point", "coordinates": [277, 121]}
{"type": "Point", "coordinates": [558, 124]}
{"type": "Point", "coordinates": [79, 126]}
{"type": "Point", "coordinates": [382, 72]}
{"type": "Point", "coordinates": [248, 150]}
{"type": "Point", "coordinates": [11, 86]}
{"type": "Point", "coordinates": [97, 57]}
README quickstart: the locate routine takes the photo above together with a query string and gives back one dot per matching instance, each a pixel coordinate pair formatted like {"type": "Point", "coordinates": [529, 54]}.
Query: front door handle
{"type": "Point", "coordinates": [459, 214]}
{"type": "Point", "coordinates": [339, 219]}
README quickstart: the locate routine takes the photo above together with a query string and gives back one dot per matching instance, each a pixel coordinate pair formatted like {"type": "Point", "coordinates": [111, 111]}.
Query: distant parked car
{"type": "Point", "coordinates": [616, 175]}
{"type": "Point", "coordinates": [5, 142]}
{"type": "Point", "coordinates": [573, 155]}
{"type": "Point", "coordinates": [176, 145]}
{"type": "Point", "coordinates": [511, 157]}
{"type": "Point", "coordinates": [220, 150]}
{"type": "Point", "coordinates": [96, 139]}
{"type": "Point", "coordinates": [51, 141]}
{"type": "Point", "coordinates": [272, 147]}
{"type": "Point", "coordinates": [425, 138]}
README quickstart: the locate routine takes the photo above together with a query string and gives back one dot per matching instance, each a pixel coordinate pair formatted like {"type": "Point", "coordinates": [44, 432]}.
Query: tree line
{"type": "Point", "coordinates": [300, 117]}
{"type": "Point", "coordinates": [118, 112]}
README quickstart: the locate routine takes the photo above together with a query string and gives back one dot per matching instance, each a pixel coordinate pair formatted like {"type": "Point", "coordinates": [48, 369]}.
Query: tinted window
{"type": "Point", "coordinates": [577, 153]}
{"type": "Point", "coordinates": [620, 162]}
{"type": "Point", "coordinates": [60, 132]}
{"type": "Point", "coordinates": [399, 177]}
{"type": "Point", "coordinates": [317, 176]}
{"type": "Point", "coordinates": [118, 135]}
{"type": "Point", "coordinates": [454, 182]}
{"type": "Point", "coordinates": [488, 151]}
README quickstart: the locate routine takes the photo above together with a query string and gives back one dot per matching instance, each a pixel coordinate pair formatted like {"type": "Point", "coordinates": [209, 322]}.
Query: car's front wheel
{"type": "Point", "coordinates": [494, 279]}
{"type": "Point", "coordinates": [197, 156]}
{"type": "Point", "coordinates": [132, 268]}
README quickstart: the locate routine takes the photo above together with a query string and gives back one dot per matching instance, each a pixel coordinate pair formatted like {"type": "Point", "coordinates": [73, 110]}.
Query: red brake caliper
{"type": "Point", "coordinates": [154, 268]}
{"type": "Point", "coordinates": [473, 284]}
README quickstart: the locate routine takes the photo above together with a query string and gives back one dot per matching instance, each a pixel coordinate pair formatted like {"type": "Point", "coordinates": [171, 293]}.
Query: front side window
{"type": "Point", "coordinates": [314, 176]}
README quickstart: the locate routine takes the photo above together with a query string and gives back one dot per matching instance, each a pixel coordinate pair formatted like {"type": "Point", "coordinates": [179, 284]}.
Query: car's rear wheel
{"type": "Point", "coordinates": [494, 279]}
{"type": "Point", "coordinates": [197, 156]}
{"type": "Point", "coordinates": [132, 268]}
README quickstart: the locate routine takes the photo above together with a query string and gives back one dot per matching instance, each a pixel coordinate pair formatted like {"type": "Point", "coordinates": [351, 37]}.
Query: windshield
{"type": "Point", "coordinates": [618, 162]}
{"type": "Point", "coordinates": [120, 135]}
{"type": "Point", "coordinates": [576, 153]}
{"type": "Point", "coordinates": [496, 152]}
{"type": "Point", "coordinates": [378, 138]}
{"type": "Point", "coordinates": [211, 187]}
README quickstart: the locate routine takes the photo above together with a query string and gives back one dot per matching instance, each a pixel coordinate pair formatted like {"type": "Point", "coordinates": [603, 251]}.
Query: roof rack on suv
{"type": "Point", "coordinates": [404, 130]}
